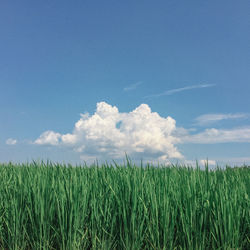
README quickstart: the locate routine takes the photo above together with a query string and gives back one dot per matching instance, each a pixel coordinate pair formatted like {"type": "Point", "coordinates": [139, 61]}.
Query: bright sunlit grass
{"type": "Point", "coordinates": [53, 206]}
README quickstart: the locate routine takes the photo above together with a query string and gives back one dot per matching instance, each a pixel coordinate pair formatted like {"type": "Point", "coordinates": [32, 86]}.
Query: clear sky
{"type": "Point", "coordinates": [160, 80]}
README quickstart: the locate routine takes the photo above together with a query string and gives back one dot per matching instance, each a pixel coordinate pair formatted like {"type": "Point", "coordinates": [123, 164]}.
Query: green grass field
{"type": "Point", "coordinates": [53, 206]}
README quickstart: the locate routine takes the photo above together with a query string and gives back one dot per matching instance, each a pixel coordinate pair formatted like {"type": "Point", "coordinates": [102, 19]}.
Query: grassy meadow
{"type": "Point", "coordinates": [53, 206]}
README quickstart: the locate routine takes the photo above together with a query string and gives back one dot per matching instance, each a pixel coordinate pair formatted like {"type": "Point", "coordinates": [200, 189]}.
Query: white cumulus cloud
{"type": "Point", "coordinates": [48, 138]}
{"type": "Point", "coordinates": [141, 134]}
{"type": "Point", "coordinates": [11, 141]}
{"type": "Point", "coordinates": [111, 134]}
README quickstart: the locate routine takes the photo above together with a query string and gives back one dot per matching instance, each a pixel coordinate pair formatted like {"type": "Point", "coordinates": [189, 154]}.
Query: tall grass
{"type": "Point", "coordinates": [52, 206]}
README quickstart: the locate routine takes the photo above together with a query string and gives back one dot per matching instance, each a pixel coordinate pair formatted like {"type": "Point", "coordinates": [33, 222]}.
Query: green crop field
{"type": "Point", "coordinates": [53, 206]}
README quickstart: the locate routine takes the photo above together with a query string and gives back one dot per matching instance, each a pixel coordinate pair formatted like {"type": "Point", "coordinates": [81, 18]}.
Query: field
{"type": "Point", "coordinates": [53, 206]}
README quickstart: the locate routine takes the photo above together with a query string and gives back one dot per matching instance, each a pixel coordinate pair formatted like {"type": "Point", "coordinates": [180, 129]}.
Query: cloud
{"type": "Point", "coordinates": [132, 86]}
{"type": "Point", "coordinates": [210, 136]}
{"type": "Point", "coordinates": [173, 91]}
{"type": "Point", "coordinates": [141, 133]}
{"type": "Point", "coordinates": [211, 118]}
{"type": "Point", "coordinates": [48, 138]}
{"type": "Point", "coordinates": [209, 162]}
{"type": "Point", "coordinates": [109, 134]}
{"type": "Point", "coordinates": [11, 141]}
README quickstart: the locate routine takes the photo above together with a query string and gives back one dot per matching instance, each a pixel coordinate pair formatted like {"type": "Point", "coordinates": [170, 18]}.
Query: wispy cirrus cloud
{"type": "Point", "coordinates": [132, 86]}
{"type": "Point", "coordinates": [174, 91]}
{"type": "Point", "coordinates": [207, 119]}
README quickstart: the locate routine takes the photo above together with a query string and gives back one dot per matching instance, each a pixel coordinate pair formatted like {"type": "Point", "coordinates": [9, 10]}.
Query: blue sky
{"type": "Point", "coordinates": [186, 60]}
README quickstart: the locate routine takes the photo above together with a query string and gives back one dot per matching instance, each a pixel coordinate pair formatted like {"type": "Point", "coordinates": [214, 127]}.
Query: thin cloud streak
{"type": "Point", "coordinates": [173, 91]}
{"type": "Point", "coordinates": [132, 86]}
{"type": "Point", "coordinates": [213, 136]}
{"type": "Point", "coordinates": [212, 118]}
